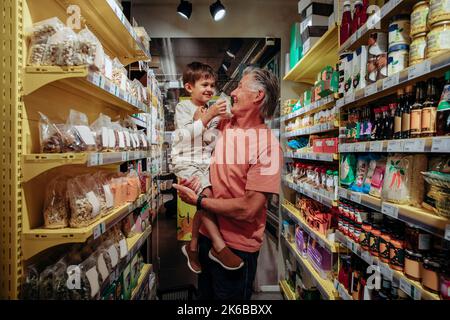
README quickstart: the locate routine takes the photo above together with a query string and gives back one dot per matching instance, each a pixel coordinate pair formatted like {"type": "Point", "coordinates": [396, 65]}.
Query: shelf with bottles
{"type": "Point", "coordinates": [297, 216]}
{"type": "Point", "coordinates": [294, 108]}
{"type": "Point", "coordinates": [320, 280]}
{"type": "Point", "coordinates": [287, 291]}
{"type": "Point", "coordinates": [104, 17]}
{"type": "Point", "coordinates": [315, 129]}
{"type": "Point", "coordinates": [326, 157]}
{"type": "Point", "coordinates": [312, 192]}
{"type": "Point", "coordinates": [309, 65]}
{"type": "Point", "coordinates": [397, 273]}
{"type": "Point", "coordinates": [378, 19]}
{"type": "Point", "coordinates": [414, 145]}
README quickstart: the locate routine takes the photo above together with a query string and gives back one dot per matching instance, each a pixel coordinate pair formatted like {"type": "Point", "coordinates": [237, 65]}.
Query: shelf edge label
{"type": "Point", "coordinates": [389, 210]}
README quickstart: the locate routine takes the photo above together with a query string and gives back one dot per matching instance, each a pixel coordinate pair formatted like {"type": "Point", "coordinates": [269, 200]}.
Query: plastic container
{"type": "Point", "coordinates": [398, 58]}
{"type": "Point", "coordinates": [399, 30]}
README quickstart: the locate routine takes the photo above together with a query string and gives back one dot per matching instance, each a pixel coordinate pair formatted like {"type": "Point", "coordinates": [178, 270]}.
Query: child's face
{"type": "Point", "coordinates": [203, 89]}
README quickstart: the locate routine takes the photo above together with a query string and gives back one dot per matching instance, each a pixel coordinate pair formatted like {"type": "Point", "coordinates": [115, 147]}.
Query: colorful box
{"type": "Point", "coordinates": [318, 145]}
{"type": "Point", "coordinates": [330, 145]}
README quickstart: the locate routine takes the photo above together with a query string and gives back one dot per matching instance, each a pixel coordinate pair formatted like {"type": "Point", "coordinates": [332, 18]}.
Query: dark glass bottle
{"type": "Point", "coordinates": [443, 111]}
{"type": "Point", "coordinates": [416, 111]}
{"type": "Point", "coordinates": [386, 124]}
{"type": "Point", "coordinates": [376, 125]}
{"type": "Point", "coordinates": [398, 115]}
{"type": "Point", "coordinates": [429, 109]}
{"type": "Point", "coordinates": [408, 101]}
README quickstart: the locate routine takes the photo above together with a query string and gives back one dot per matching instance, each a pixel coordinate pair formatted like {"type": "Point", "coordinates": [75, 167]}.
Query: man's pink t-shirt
{"type": "Point", "coordinates": [236, 167]}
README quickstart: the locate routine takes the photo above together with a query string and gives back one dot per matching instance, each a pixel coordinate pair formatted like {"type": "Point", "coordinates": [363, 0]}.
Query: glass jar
{"type": "Point", "coordinates": [417, 51]}
{"type": "Point", "coordinates": [374, 240]}
{"type": "Point", "coordinates": [364, 237]}
{"type": "Point", "coordinates": [439, 11]}
{"type": "Point", "coordinates": [419, 18]}
{"type": "Point", "coordinates": [445, 281]}
{"type": "Point", "coordinates": [438, 39]}
{"type": "Point", "coordinates": [397, 252]}
{"type": "Point", "coordinates": [385, 240]}
{"type": "Point", "coordinates": [417, 240]}
{"type": "Point", "coordinates": [413, 265]}
{"type": "Point", "coordinates": [430, 274]}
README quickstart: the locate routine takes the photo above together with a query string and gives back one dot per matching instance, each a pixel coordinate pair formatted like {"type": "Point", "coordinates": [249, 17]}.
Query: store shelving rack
{"type": "Point", "coordinates": [28, 89]}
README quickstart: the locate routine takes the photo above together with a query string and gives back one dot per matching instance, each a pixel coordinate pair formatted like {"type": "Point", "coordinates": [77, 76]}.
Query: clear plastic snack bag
{"type": "Point", "coordinates": [91, 50]}
{"type": "Point", "coordinates": [397, 181]}
{"type": "Point", "coordinates": [78, 128]}
{"type": "Point", "coordinates": [42, 30]}
{"type": "Point", "coordinates": [120, 144]}
{"type": "Point", "coordinates": [119, 76]}
{"type": "Point", "coordinates": [47, 280]}
{"type": "Point", "coordinates": [85, 205]}
{"type": "Point", "coordinates": [133, 186]}
{"type": "Point", "coordinates": [104, 190]}
{"type": "Point", "coordinates": [51, 137]}
{"type": "Point", "coordinates": [103, 132]}
{"type": "Point", "coordinates": [56, 205]}
{"type": "Point", "coordinates": [63, 49]}
{"type": "Point", "coordinates": [90, 280]}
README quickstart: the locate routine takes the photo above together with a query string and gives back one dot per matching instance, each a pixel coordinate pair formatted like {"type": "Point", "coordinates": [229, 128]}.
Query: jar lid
{"type": "Point", "coordinates": [441, 23]}
{"type": "Point", "coordinates": [420, 35]}
{"type": "Point", "coordinates": [420, 3]}
{"type": "Point", "coordinates": [400, 17]}
{"type": "Point", "coordinates": [398, 47]}
{"type": "Point", "coordinates": [432, 263]}
{"type": "Point", "coordinates": [413, 255]}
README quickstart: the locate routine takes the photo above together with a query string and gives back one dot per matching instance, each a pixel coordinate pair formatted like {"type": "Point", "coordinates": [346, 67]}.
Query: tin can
{"type": "Point", "coordinates": [398, 58]}
{"type": "Point", "coordinates": [417, 50]}
{"type": "Point", "coordinates": [419, 18]}
{"type": "Point", "coordinates": [439, 11]}
{"type": "Point", "coordinates": [438, 39]}
{"type": "Point", "coordinates": [399, 30]}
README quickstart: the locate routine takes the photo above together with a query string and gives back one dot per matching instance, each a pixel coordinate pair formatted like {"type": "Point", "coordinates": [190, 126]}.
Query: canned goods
{"type": "Point", "coordinates": [439, 11]}
{"type": "Point", "coordinates": [399, 30]}
{"type": "Point", "coordinates": [438, 39]}
{"type": "Point", "coordinates": [418, 49]}
{"type": "Point", "coordinates": [419, 18]}
{"type": "Point", "coordinates": [398, 58]}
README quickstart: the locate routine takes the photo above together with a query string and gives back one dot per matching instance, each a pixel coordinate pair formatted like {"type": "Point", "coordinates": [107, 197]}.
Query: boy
{"type": "Point", "coordinates": [194, 141]}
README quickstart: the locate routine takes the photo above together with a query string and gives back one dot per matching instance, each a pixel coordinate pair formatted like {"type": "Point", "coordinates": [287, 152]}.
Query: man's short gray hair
{"type": "Point", "coordinates": [268, 82]}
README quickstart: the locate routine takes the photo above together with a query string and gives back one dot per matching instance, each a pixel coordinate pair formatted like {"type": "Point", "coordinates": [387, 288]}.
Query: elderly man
{"type": "Point", "coordinates": [245, 169]}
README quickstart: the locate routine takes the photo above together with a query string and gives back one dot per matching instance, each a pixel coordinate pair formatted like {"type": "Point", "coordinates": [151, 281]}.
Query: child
{"type": "Point", "coordinates": [194, 140]}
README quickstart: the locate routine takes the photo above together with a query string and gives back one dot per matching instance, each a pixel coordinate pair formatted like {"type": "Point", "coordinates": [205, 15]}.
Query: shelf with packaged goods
{"type": "Point", "coordinates": [315, 107]}
{"type": "Point", "coordinates": [142, 281]}
{"type": "Point", "coordinates": [321, 196]}
{"type": "Point", "coordinates": [433, 67]}
{"type": "Point", "coordinates": [325, 286]}
{"type": "Point", "coordinates": [377, 22]}
{"type": "Point", "coordinates": [310, 65]}
{"type": "Point", "coordinates": [104, 18]}
{"type": "Point", "coordinates": [83, 82]}
{"type": "Point", "coordinates": [342, 292]}
{"type": "Point", "coordinates": [328, 157]}
{"type": "Point", "coordinates": [412, 288]}
{"type": "Point", "coordinates": [417, 145]}
{"type": "Point", "coordinates": [36, 164]}
{"type": "Point", "coordinates": [316, 129]}
{"type": "Point", "coordinates": [287, 291]}
{"type": "Point", "coordinates": [39, 239]}
{"type": "Point", "coordinates": [296, 215]}
{"type": "Point", "coordinates": [421, 218]}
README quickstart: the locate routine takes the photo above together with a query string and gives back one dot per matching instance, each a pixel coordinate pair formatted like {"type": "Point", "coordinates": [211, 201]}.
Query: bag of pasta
{"type": "Point", "coordinates": [56, 206]}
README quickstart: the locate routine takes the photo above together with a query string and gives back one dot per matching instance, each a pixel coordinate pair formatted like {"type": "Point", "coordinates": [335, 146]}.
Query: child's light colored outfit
{"type": "Point", "coordinates": [193, 144]}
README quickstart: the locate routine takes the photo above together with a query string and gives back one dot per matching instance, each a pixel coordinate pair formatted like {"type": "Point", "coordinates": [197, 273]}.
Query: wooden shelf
{"type": "Point", "coordinates": [104, 19]}
{"type": "Point", "coordinates": [287, 291]}
{"type": "Point", "coordinates": [84, 82]}
{"type": "Point", "coordinates": [325, 286]}
{"type": "Point", "coordinates": [423, 219]}
{"type": "Point", "coordinates": [35, 164]}
{"type": "Point", "coordinates": [39, 239]}
{"type": "Point", "coordinates": [310, 65]}
{"type": "Point", "coordinates": [296, 215]}
{"type": "Point", "coordinates": [328, 157]}
{"type": "Point", "coordinates": [412, 288]}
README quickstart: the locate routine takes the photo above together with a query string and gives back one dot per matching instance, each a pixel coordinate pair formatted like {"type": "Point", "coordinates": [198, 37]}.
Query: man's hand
{"type": "Point", "coordinates": [192, 183]}
{"type": "Point", "coordinates": [187, 195]}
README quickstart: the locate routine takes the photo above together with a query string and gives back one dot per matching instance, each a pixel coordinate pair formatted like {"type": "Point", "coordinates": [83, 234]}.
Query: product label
{"type": "Point", "coordinates": [114, 255]}
{"type": "Point", "coordinates": [127, 139]}
{"type": "Point", "coordinates": [376, 146]}
{"type": "Point", "coordinates": [419, 20]}
{"type": "Point", "coordinates": [92, 276]}
{"type": "Point", "coordinates": [384, 249]}
{"type": "Point", "coordinates": [419, 69]}
{"type": "Point", "coordinates": [415, 145]}
{"type": "Point", "coordinates": [104, 133]}
{"type": "Point", "coordinates": [389, 210]}
{"type": "Point", "coordinates": [424, 241]}
{"type": "Point", "coordinates": [405, 122]}
{"type": "Point", "coordinates": [121, 139]}
{"type": "Point", "coordinates": [364, 239]}
{"type": "Point", "coordinates": [441, 145]}
{"type": "Point", "coordinates": [108, 196]}
{"type": "Point", "coordinates": [123, 248]}
{"type": "Point", "coordinates": [391, 81]}
{"type": "Point", "coordinates": [355, 197]}
{"type": "Point", "coordinates": [93, 200]}
{"type": "Point", "coordinates": [429, 120]}
{"type": "Point", "coordinates": [387, 272]}
{"type": "Point", "coordinates": [398, 124]}
{"type": "Point", "coordinates": [101, 264]}
{"type": "Point", "coordinates": [397, 256]}
{"type": "Point", "coordinates": [417, 53]}
{"type": "Point", "coordinates": [416, 121]}
{"type": "Point", "coordinates": [85, 134]}
{"type": "Point", "coordinates": [370, 90]}
{"type": "Point", "coordinates": [444, 40]}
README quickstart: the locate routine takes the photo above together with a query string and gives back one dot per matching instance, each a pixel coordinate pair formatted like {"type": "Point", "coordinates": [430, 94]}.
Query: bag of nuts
{"type": "Point", "coordinates": [91, 50]}
{"type": "Point", "coordinates": [103, 133]}
{"type": "Point", "coordinates": [50, 136]}
{"type": "Point", "coordinates": [78, 127]}
{"type": "Point", "coordinates": [56, 205]}
{"type": "Point", "coordinates": [39, 34]}
{"type": "Point", "coordinates": [104, 191]}
{"type": "Point", "coordinates": [63, 49]}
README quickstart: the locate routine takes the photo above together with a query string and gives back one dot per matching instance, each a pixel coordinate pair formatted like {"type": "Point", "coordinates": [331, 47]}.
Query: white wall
{"type": "Point", "coordinates": [244, 19]}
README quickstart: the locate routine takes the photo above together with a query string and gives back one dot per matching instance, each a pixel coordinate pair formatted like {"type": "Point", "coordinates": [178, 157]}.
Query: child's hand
{"type": "Point", "coordinates": [218, 109]}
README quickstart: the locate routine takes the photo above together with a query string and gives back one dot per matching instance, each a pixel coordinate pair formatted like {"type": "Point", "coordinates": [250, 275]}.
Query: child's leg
{"type": "Point", "coordinates": [193, 245]}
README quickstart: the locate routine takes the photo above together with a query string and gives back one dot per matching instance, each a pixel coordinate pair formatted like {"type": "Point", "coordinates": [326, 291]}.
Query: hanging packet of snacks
{"type": "Point", "coordinates": [96, 186]}
{"type": "Point", "coordinates": [143, 140]}
{"type": "Point", "coordinates": [105, 190]}
{"type": "Point", "coordinates": [120, 137]}
{"type": "Point", "coordinates": [63, 49]}
{"type": "Point", "coordinates": [39, 33]}
{"type": "Point", "coordinates": [47, 280]}
{"type": "Point", "coordinates": [90, 280]}
{"type": "Point", "coordinates": [370, 172]}
{"type": "Point", "coordinates": [376, 183]}
{"type": "Point", "coordinates": [56, 206]}
{"type": "Point", "coordinates": [103, 133]}
{"type": "Point", "coordinates": [119, 76]}
{"type": "Point", "coordinates": [133, 186]}
{"type": "Point", "coordinates": [50, 136]}
{"type": "Point", "coordinates": [91, 50]}
{"type": "Point", "coordinates": [347, 172]}
{"type": "Point", "coordinates": [85, 205]}
{"type": "Point", "coordinates": [397, 182]}
{"type": "Point", "coordinates": [362, 165]}
{"type": "Point", "coordinates": [78, 128]}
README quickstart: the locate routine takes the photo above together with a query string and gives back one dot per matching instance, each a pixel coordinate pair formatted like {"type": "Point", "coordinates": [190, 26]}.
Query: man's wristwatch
{"type": "Point", "coordinates": [199, 201]}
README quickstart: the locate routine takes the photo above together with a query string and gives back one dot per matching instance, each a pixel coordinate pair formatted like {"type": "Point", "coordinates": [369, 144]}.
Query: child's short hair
{"type": "Point", "coordinates": [196, 71]}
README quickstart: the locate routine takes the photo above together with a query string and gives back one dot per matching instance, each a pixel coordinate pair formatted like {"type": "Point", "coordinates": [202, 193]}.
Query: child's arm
{"type": "Point", "coordinates": [218, 109]}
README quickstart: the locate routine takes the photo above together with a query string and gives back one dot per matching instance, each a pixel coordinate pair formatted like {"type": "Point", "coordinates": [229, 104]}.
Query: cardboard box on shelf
{"type": "Point", "coordinates": [304, 4]}
{"type": "Point", "coordinates": [314, 21]}
{"type": "Point", "coordinates": [313, 32]}
{"type": "Point", "coordinates": [330, 145]}
{"type": "Point", "coordinates": [320, 9]}
{"type": "Point", "coordinates": [318, 145]}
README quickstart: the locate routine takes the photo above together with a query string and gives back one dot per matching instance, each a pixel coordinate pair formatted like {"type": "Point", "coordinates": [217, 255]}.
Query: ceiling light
{"type": "Point", "coordinates": [217, 10]}
{"type": "Point", "coordinates": [185, 9]}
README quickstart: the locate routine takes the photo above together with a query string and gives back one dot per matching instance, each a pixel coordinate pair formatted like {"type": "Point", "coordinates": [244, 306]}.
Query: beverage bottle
{"type": "Point", "coordinates": [398, 115]}
{"type": "Point", "coordinates": [346, 23]}
{"type": "Point", "coordinates": [385, 123]}
{"type": "Point", "coordinates": [443, 111]}
{"type": "Point", "coordinates": [416, 111]}
{"type": "Point", "coordinates": [407, 103]}
{"type": "Point", "coordinates": [357, 13]}
{"type": "Point", "coordinates": [391, 111]}
{"type": "Point", "coordinates": [429, 109]}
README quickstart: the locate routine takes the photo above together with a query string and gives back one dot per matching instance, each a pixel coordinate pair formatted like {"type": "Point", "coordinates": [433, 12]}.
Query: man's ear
{"type": "Point", "coordinates": [188, 87]}
{"type": "Point", "coordinates": [260, 97]}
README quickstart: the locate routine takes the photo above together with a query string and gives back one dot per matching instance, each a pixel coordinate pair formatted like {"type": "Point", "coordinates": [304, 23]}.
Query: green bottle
{"type": "Point", "coordinates": [443, 110]}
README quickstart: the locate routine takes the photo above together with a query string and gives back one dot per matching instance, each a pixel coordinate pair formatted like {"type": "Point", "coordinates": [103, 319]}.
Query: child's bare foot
{"type": "Point", "coordinates": [192, 259]}
{"type": "Point", "coordinates": [226, 258]}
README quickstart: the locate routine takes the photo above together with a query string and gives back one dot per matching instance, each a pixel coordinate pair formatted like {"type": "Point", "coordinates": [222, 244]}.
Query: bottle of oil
{"type": "Point", "coordinates": [429, 109]}
{"type": "Point", "coordinates": [416, 111]}
{"type": "Point", "coordinates": [443, 111]}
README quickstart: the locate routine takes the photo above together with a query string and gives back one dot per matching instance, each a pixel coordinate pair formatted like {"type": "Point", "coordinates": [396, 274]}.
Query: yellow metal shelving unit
{"type": "Point", "coordinates": [287, 291]}
{"type": "Point", "coordinates": [51, 90]}
{"type": "Point", "coordinates": [142, 281]}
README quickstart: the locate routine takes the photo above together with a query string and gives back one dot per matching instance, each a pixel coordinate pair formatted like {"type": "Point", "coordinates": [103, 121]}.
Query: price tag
{"type": "Point", "coordinates": [419, 69]}
{"type": "Point", "coordinates": [340, 103]}
{"type": "Point", "coordinates": [324, 127]}
{"type": "Point", "coordinates": [351, 147]}
{"type": "Point", "coordinates": [124, 156]}
{"type": "Point", "coordinates": [370, 90]}
{"type": "Point", "coordinates": [391, 81]}
{"type": "Point", "coordinates": [441, 145]}
{"type": "Point", "coordinates": [355, 197]}
{"type": "Point", "coordinates": [360, 147]}
{"type": "Point", "coordinates": [409, 289]}
{"type": "Point", "coordinates": [395, 146]}
{"type": "Point", "coordinates": [342, 193]}
{"type": "Point", "coordinates": [317, 197]}
{"type": "Point", "coordinates": [93, 159]}
{"type": "Point", "coordinates": [96, 79]}
{"type": "Point", "coordinates": [415, 145]}
{"type": "Point", "coordinates": [376, 146]}
{"type": "Point", "coordinates": [387, 272]}
{"type": "Point", "coordinates": [100, 159]}
{"type": "Point", "coordinates": [447, 232]}
{"type": "Point", "coordinates": [359, 33]}
{"type": "Point", "coordinates": [353, 38]}
{"type": "Point", "coordinates": [389, 210]}
{"type": "Point", "coordinates": [365, 255]}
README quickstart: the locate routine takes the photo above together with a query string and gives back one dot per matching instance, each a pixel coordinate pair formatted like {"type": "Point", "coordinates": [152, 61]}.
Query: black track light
{"type": "Point", "coordinates": [217, 10]}
{"type": "Point", "coordinates": [185, 9]}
